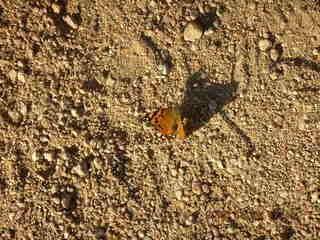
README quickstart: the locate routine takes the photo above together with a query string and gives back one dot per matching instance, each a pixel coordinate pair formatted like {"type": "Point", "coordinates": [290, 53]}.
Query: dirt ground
{"type": "Point", "coordinates": [77, 160]}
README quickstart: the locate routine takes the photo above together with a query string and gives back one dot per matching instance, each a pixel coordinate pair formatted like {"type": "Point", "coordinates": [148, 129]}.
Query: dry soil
{"type": "Point", "coordinates": [77, 161]}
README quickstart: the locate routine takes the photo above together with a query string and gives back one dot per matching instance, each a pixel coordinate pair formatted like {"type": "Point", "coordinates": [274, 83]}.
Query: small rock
{"type": "Point", "coordinates": [14, 116]}
{"type": "Point", "coordinates": [66, 235]}
{"type": "Point", "coordinates": [152, 4]}
{"type": "Point", "coordinates": [55, 8]}
{"type": "Point", "coordinates": [264, 44]}
{"type": "Point", "coordinates": [56, 200]}
{"type": "Point", "coordinates": [179, 194]}
{"type": "Point", "coordinates": [141, 235]}
{"type": "Point", "coordinates": [274, 76]}
{"type": "Point", "coordinates": [68, 20]}
{"type": "Point", "coordinates": [274, 54]}
{"type": "Point", "coordinates": [48, 156]}
{"type": "Point", "coordinates": [205, 188]}
{"type": "Point", "coordinates": [196, 188]}
{"type": "Point", "coordinates": [192, 32]}
{"type": "Point", "coordinates": [194, 47]}
{"type": "Point", "coordinates": [20, 64]}
{"type": "Point", "coordinates": [44, 139]}
{"type": "Point", "coordinates": [174, 172]}
{"type": "Point", "coordinates": [219, 164]}
{"type": "Point", "coordinates": [315, 197]}
{"type": "Point", "coordinates": [74, 113]}
{"type": "Point", "coordinates": [189, 221]}
{"type": "Point", "coordinates": [12, 75]}
{"type": "Point", "coordinates": [22, 108]}
{"type": "Point", "coordinates": [35, 156]}
{"type": "Point", "coordinates": [97, 164]}
{"type": "Point", "coordinates": [81, 169]}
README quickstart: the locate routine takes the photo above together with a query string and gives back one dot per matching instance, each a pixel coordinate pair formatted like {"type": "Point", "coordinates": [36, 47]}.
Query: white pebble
{"type": "Point", "coordinates": [179, 194]}
{"type": "Point", "coordinates": [192, 32]}
{"type": "Point", "coordinates": [264, 44]}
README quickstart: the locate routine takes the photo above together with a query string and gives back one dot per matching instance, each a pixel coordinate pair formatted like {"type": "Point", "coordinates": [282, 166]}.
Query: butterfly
{"type": "Point", "coordinates": [168, 121]}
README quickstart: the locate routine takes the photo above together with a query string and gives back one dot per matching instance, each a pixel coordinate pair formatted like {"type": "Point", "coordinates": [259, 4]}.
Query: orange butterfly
{"type": "Point", "coordinates": [168, 121]}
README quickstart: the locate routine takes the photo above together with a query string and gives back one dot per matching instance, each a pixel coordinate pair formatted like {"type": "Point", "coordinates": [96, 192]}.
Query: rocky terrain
{"type": "Point", "coordinates": [77, 161]}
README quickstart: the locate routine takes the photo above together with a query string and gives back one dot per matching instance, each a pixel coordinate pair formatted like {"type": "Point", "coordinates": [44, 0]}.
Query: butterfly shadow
{"type": "Point", "coordinates": [203, 99]}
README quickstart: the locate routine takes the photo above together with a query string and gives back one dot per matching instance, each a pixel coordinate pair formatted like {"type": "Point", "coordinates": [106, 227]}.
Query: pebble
{"type": "Point", "coordinates": [55, 8]}
{"type": "Point", "coordinates": [205, 188]}
{"type": "Point", "coordinates": [274, 54]}
{"type": "Point", "coordinates": [219, 164]}
{"type": "Point", "coordinates": [192, 32]}
{"type": "Point", "coordinates": [68, 20]}
{"type": "Point", "coordinates": [194, 47]}
{"type": "Point", "coordinates": [97, 164]}
{"type": "Point", "coordinates": [141, 235]}
{"type": "Point", "coordinates": [14, 116]}
{"type": "Point", "coordinates": [174, 172]}
{"type": "Point", "coordinates": [315, 197]}
{"type": "Point", "coordinates": [12, 75]}
{"type": "Point", "coordinates": [48, 156]}
{"type": "Point", "coordinates": [20, 77]}
{"type": "Point", "coordinates": [35, 156]}
{"type": "Point", "coordinates": [264, 44]}
{"type": "Point", "coordinates": [189, 221]}
{"type": "Point", "coordinates": [74, 113]}
{"type": "Point", "coordinates": [81, 169]}
{"type": "Point", "coordinates": [273, 76]}
{"type": "Point", "coordinates": [179, 194]}
{"type": "Point", "coordinates": [22, 108]}
{"type": "Point", "coordinates": [315, 52]}
{"type": "Point", "coordinates": [196, 188]}
{"type": "Point", "coordinates": [44, 139]}
{"type": "Point", "coordinates": [56, 200]}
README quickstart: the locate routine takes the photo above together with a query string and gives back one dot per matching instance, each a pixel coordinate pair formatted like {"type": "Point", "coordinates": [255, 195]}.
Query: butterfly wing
{"type": "Point", "coordinates": [168, 121]}
{"type": "Point", "coordinates": [180, 126]}
{"type": "Point", "coordinates": [164, 121]}
{"type": "Point", "coordinates": [181, 131]}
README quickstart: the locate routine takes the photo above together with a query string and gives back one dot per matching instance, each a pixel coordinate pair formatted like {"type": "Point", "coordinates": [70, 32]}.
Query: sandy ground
{"type": "Point", "coordinates": [77, 161]}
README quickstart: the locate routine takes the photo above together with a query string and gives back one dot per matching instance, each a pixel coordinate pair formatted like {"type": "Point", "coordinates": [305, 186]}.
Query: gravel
{"type": "Point", "coordinates": [193, 31]}
{"type": "Point", "coordinates": [78, 161]}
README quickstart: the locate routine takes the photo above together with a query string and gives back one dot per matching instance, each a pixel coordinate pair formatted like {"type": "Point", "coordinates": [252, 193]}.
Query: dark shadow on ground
{"type": "Point", "coordinates": [203, 99]}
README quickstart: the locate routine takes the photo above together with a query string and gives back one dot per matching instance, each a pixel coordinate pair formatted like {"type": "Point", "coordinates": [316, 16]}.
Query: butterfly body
{"type": "Point", "coordinates": [168, 121]}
